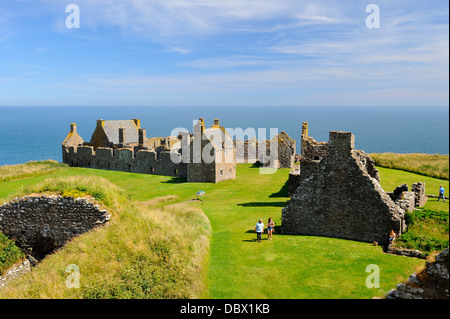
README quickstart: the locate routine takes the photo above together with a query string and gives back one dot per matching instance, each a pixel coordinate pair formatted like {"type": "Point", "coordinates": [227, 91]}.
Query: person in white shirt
{"type": "Point", "coordinates": [259, 228]}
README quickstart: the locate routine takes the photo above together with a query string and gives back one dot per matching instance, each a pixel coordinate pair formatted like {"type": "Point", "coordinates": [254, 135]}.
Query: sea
{"type": "Point", "coordinates": [36, 133]}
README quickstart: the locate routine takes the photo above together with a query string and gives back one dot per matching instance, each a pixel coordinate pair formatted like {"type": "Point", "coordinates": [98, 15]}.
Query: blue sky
{"type": "Point", "coordinates": [224, 53]}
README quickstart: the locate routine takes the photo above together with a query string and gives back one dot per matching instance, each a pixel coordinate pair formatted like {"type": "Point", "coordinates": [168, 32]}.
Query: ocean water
{"type": "Point", "coordinates": [36, 133]}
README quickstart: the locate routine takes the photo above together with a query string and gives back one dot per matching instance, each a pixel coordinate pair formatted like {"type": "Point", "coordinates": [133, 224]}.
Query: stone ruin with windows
{"type": "Point", "coordinates": [336, 192]}
{"type": "Point", "coordinates": [207, 155]}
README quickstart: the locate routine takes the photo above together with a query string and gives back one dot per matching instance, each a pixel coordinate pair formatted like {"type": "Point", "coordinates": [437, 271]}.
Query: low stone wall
{"type": "Point", "coordinates": [15, 272]}
{"type": "Point", "coordinates": [41, 224]}
{"type": "Point", "coordinates": [405, 252]}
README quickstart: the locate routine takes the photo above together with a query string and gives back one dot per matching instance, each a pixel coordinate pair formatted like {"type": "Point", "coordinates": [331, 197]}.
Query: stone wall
{"type": "Point", "coordinates": [41, 224]}
{"type": "Point", "coordinates": [408, 200]}
{"type": "Point", "coordinates": [294, 180]}
{"type": "Point", "coordinates": [419, 193]}
{"type": "Point", "coordinates": [341, 199]}
{"type": "Point", "coordinates": [431, 283]}
{"type": "Point", "coordinates": [167, 156]}
{"type": "Point", "coordinates": [126, 160]}
{"type": "Point", "coordinates": [265, 152]}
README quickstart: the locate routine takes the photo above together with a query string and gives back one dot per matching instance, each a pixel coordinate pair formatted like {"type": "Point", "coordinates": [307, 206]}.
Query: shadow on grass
{"type": "Point", "coordinates": [176, 180]}
{"type": "Point", "coordinates": [264, 204]}
{"type": "Point", "coordinates": [283, 192]}
{"type": "Point", "coordinates": [257, 165]}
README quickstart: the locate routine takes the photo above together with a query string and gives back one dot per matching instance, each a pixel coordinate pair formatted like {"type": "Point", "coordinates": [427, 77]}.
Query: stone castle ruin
{"type": "Point", "coordinates": [278, 152]}
{"type": "Point", "coordinates": [207, 155]}
{"type": "Point", "coordinates": [338, 194]}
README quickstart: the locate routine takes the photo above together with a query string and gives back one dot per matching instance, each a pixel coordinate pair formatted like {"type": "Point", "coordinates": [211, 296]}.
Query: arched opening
{"type": "Point", "coordinates": [41, 246]}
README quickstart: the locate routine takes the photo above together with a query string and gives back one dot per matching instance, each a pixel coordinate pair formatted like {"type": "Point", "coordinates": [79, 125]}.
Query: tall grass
{"type": "Point", "coordinates": [427, 231]}
{"type": "Point", "coordinates": [433, 165]}
{"type": "Point", "coordinates": [143, 252]}
{"type": "Point", "coordinates": [30, 169]}
{"type": "Point", "coordinates": [9, 253]}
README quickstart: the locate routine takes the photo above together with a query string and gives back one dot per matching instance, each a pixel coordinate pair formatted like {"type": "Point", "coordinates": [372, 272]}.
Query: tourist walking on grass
{"type": "Point", "coordinates": [441, 193]}
{"type": "Point", "coordinates": [270, 228]}
{"type": "Point", "coordinates": [259, 228]}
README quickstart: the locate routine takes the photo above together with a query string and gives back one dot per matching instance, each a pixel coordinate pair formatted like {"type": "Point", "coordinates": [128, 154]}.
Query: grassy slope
{"type": "Point", "coordinates": [144, 252]}
{"type": "Point", "coordinates": [288, 266]}
{"type": "Point", "coordinates": [433, 165]}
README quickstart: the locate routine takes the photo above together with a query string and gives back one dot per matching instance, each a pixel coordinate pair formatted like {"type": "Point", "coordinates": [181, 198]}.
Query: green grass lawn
{"type": "Point", "coordinates": [289, 266]}
{"type": "Point", "coordinates": [391, 178]}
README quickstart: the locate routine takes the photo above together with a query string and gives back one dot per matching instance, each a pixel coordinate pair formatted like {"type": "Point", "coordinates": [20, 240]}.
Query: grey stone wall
{"type": "Point", "coordinates": [432, 283]}
{"type": "Point", "coordinates": [420, 195]}
{"type": "Point", "coordinates": [294, 180]}
{"type": "Point", "coordinates": [281, 156]}
{"type": "Point", "coordinates": [126, 160]}
{"type": "Point", "coordinates": [341, 199]}
{"type": "Point", "coordinates": [41, 224]}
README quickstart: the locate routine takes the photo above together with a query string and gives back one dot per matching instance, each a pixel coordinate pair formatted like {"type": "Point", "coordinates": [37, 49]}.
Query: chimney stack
{"type": "Point", "coordinates": [122, 136]}
{"type": "Point", "coordinates": [142, 136]}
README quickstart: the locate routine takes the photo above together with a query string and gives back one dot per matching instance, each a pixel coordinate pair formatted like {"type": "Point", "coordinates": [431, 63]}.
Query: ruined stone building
{"type": "Point", "coordinates": [207, 155]}
{"type": "Point", "coordinates": [278, 152]}
{"type": "Point", "coordinates": [338, 194]}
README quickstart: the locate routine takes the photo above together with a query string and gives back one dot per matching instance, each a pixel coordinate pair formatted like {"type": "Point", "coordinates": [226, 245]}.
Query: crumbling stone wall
{"type": "Point", "coordinates": [419, 193]}
{"type": "Point", "coordinates": [294, 180]}
{"type": "Point", "coordinates": [341, 199]}
{"type": "Point", "coordinates": [112, 148]}
{"type": "Point", "coordinates": [281, 155]}
{"type": "Point", "coordinates": [15, 272]}
{"type": "Point", "coordinates": [432, 283]}
{"type": "Point", "coordinates": [408, 200]}
{"type": "Point", "coordinates": [41, 224]}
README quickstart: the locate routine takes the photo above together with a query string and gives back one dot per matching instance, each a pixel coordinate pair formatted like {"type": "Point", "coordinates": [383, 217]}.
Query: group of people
{"type": "Point", "coordinates": [259, 228]}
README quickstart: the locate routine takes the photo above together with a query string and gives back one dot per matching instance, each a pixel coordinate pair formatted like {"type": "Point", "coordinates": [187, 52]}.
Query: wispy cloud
{"type": "Point", "coordinates": [263, 52]}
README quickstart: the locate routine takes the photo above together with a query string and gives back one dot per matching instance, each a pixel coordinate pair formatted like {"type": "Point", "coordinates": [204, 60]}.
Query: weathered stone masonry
{"type": "Point", "coordinates": [41, 224]}
{"type": "Point", "coordinates": [339, 195]}
{"type": "Point", "coordinates": [123, 146]}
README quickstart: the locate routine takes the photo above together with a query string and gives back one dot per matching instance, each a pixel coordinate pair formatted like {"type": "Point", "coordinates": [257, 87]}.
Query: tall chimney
{"type": "Point", "coordinates": [305, 128]}
{"type": "Point", "coordinates": [73, 128]}
{"type": "Point", "coordinates": [142, 136]}
{"type": "Point", "coordinates": [122, 136]}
